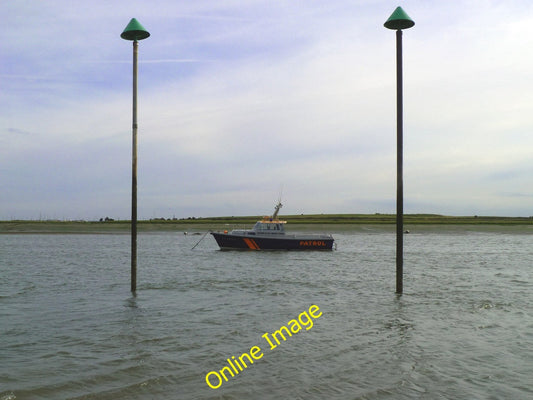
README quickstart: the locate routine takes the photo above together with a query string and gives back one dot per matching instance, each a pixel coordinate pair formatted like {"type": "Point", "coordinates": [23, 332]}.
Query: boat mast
{"type": "Point", "coordinates": [276, 211]}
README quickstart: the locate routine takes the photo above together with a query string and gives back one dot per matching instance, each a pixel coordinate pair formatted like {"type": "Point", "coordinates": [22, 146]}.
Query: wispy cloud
{"type": "Point", "coordinates": [161, 61]}
{"type": "Point", "coordinates": [16, 131]}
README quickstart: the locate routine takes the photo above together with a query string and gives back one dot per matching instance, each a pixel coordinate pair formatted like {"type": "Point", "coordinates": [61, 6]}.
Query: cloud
{"type": "Point", "coordinates": [236, 99]}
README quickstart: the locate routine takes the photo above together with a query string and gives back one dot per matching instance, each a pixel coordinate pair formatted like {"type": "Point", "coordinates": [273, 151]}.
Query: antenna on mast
{"type": "Point", "coordinates": [279, 205]}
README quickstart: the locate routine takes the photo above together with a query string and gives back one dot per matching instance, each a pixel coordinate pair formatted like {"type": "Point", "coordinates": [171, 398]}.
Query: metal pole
{"type": "Point", "coordinates": [399, 164]}
{"type": "Point", "coordinates": [134, 176]}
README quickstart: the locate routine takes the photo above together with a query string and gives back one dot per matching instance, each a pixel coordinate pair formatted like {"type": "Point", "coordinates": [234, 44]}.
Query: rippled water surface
{"type": "Point", "coordinates": [70, 328]}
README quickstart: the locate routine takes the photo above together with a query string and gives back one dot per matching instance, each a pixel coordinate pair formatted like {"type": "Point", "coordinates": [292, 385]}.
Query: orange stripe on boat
{"type": "Point", "coordinates": [251, 244]}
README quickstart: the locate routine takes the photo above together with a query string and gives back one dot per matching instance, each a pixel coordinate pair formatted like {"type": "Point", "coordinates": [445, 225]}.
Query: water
{"type": "Point", "coordinates": [70, 328]}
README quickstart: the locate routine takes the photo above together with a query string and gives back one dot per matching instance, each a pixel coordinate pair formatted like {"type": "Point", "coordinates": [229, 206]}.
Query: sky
{"type": "Point", "coordinates": [240, 102]}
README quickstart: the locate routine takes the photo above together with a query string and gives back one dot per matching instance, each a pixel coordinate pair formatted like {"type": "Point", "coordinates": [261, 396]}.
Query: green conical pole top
{"type": "Point", "coordinates": [399, 20]}
{"type": "Point", "coordinates": [134, 31]}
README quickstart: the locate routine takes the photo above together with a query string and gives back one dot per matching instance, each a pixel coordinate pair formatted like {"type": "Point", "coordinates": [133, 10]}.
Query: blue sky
{"type": "Point", "coordinates": [238, 99]}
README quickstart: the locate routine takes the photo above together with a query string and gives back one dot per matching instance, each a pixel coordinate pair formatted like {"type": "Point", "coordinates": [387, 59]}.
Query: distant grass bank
{"type": "Point", "coordinates": [219, 223]}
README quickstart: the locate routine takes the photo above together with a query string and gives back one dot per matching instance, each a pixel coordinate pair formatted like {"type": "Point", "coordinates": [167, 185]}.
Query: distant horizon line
{"type": "Point", "coordinates": [303, 215]}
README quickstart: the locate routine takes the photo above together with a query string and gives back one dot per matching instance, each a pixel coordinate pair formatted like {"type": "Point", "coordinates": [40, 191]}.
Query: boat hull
{"type": "Point", "coordinates": [229, 241]}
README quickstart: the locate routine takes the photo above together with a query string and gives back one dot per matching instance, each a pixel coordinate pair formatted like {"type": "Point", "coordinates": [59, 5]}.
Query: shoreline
{"type": "Point", "coordinates": [296, 222]}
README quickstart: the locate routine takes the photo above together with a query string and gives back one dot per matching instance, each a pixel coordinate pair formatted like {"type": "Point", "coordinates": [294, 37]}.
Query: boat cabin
{"type": "Point", "coordinates": [269, 226]}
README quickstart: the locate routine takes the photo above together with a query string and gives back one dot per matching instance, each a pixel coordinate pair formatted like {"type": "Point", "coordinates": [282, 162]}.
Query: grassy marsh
{"type": "Point", "coordinates": [217, 223]}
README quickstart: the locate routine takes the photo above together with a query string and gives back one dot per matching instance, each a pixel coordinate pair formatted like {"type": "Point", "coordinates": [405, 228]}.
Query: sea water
{"type": "Point", "coordinates": [463, 329]}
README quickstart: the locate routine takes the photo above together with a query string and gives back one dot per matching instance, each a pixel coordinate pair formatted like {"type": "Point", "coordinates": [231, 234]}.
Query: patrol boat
{"type": "Point", "coordinates": [269, 234]}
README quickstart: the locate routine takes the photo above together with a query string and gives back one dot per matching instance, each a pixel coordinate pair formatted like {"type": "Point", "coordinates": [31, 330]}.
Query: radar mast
{"type": "Point", "coordinates": [276, 210]}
